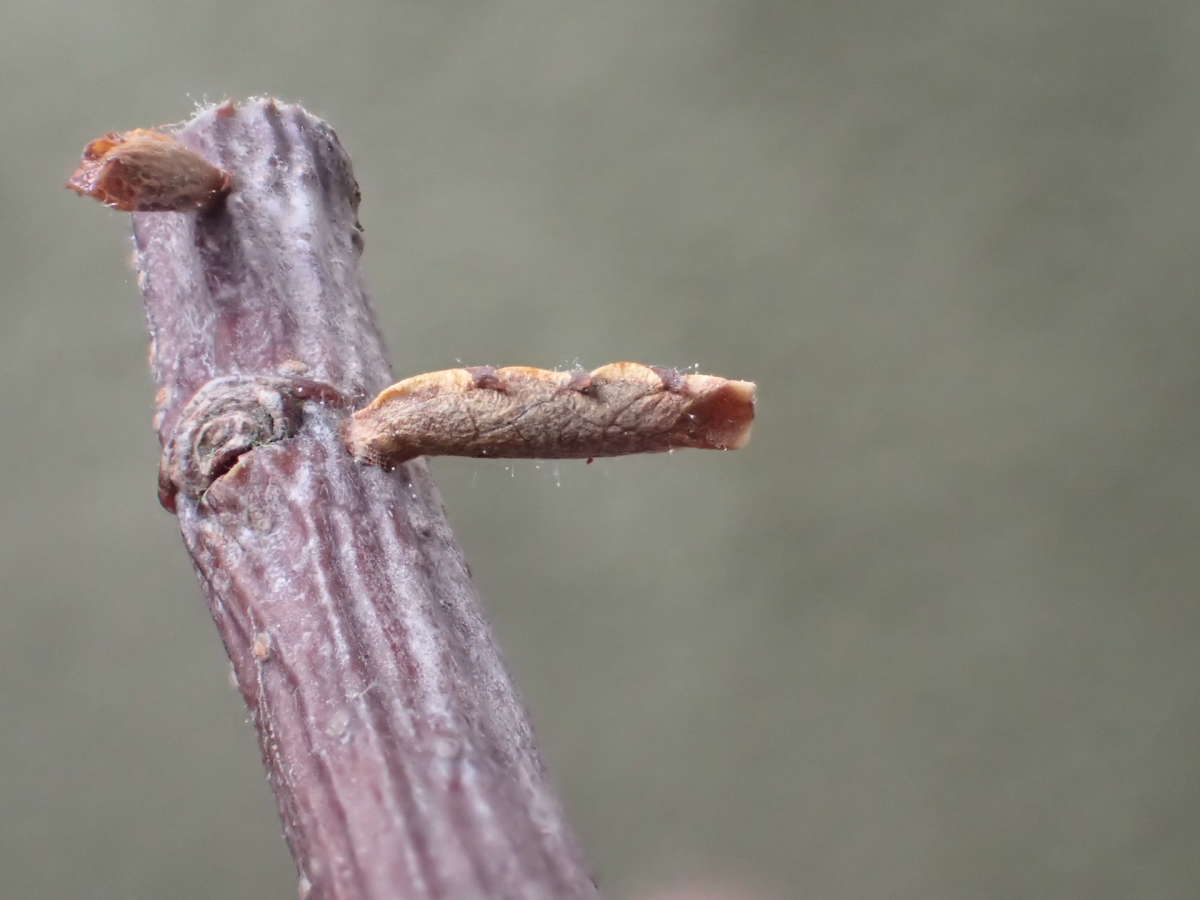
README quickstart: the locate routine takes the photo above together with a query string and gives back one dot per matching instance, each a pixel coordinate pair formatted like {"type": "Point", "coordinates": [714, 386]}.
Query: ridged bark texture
{"type": "Point", "coordinates": [400, 755]}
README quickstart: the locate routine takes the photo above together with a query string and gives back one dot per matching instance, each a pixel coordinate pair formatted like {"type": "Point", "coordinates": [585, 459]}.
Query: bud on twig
{"type": "Point", "coordinates": [147, 171]}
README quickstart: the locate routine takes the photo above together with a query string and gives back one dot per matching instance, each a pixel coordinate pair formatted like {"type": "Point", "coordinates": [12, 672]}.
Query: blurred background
{"type": "Point", "coordinates": [933, 634]}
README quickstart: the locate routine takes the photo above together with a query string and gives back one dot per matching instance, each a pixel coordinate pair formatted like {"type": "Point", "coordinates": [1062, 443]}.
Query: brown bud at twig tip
{"type": "Point", "coordinates": [147, 171]}
{"type": "Point", "coordinates": [519, 412]}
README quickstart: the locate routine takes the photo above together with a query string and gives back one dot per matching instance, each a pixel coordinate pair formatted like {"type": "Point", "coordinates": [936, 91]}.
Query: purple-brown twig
{"type": "Point", "coordinates": [400, 755]}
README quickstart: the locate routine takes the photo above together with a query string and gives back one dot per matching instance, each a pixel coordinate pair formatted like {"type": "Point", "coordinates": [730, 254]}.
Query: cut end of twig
{"type": "Point", "coordinates": [724, 411]}
{"type": "Point", "coordinates": [521, 412]}
{"type": "Point", "coordinates": [147, 171]}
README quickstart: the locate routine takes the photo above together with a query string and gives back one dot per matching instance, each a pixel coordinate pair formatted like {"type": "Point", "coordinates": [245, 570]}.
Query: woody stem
{"type": "Point", "coordinates": [400, 755]}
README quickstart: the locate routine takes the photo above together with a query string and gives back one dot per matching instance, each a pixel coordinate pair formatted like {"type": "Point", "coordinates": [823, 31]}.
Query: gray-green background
{"type": "Point", "coordinates": [933, 634]}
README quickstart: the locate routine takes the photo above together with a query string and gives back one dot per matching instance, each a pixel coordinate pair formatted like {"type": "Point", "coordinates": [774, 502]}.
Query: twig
{"type": "Point", "coordinates": [400, 755]}
{"type": "Point", "coordinates": [525, 413]}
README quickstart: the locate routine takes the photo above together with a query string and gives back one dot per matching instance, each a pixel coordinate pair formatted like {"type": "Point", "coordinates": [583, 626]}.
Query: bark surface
{"type": "Point", "coordinates": [399, 752]}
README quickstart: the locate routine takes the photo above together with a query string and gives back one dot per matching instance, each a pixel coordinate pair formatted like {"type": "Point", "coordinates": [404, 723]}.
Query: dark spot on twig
{"type": "Point", "coordinates": [581, 382]}
{"type": "Point", "coordinates": [672, 380]}
{"type": "Point", "coordinates": [487, 378]}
